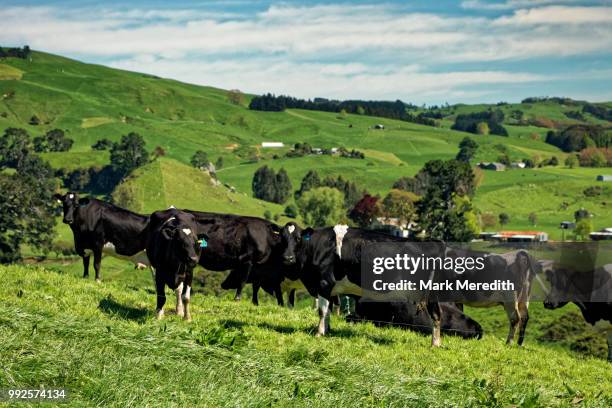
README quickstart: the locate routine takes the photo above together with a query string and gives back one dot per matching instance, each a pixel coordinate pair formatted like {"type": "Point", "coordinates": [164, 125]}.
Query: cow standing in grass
{"type": "Point", "coordinates": [329, 264]}
{"type": "Point", "coordinates": [174, 250]}
{"type": "Point", "coordinates": [591, 291]}
{"type": "Point", "coordinates": [103, 228]}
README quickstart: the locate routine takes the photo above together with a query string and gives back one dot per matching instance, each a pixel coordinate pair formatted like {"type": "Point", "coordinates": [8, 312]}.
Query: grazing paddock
{"type": "Point", "coordinates": [8, 73]}
{"type": "Point", "coordinates": [103, 343]}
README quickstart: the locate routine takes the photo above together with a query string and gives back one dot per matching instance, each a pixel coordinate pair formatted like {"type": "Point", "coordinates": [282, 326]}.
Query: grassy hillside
{"type": "Point", "coordinates": [91, 102]}
{"type": "Point", "coordinates": [102, 342]}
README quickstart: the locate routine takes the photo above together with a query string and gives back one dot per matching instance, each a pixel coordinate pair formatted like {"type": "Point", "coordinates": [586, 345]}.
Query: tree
{"type": "Point", "coordinates": [27, 208]}
{"type": "Point", "coordinates": [235, 96]}
{"type": "Point", "coordinates": [321, 206]}
{"type": "Point", "coordinates": [199, 160]}
{"type": "Point", "coordinates": [581, 214]}
{"type": "Point", "coordinates": [533, 218]}
{"type": "Point", "coordinates": [571, 161]}
{"type": "Point", "coordinates": [263, 184]}
{"type": "Point", "coordinates": [583, 228]}
{"type": "Point", "coordinates": [158, 152]}
{"type": "Point", "coordinates": [219, 163]}
{"type": "Point", "coordinates": [482, 128]}
{"type": "Point", "coordinates": [102, 144]}
{"type": "Point", "coordinates": [282, 186]}
{"type": "Point", "coordinates": [128, 154]}
{"type": "Point", "coordinates": [267, 215]}
{"type": "Point", "coordinates": [53, 141]}
{"type": "Point", "coordinates": [554, 161]}
{"type": "Point", "coordinates": [462, 222]}
{"type": "Point", "coordinates": [291, 211]}
{"type": "Point", "coordinates": [467, 149]}
{"type": "Point", "coordinates": [504, 219]}
{"type": "Point", "coordinates": [366, 210]}
{"type": "Point", "coordinates": [34, 120]}
{"type": "Point", "coordinates": [400, 204]}
{"type": "Point", "coordinates": [311, 180]}
{"type": "Point", "coordinates": [14, 147]}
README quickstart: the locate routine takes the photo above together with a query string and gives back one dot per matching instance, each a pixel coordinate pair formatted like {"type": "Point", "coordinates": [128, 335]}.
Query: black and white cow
{"type": "Point", "coordinates": [236, 243]}
{"type": "Point", "coordinates": [407, 315]}
{"type": "Point", "coordinates": [329, 264]}
{"type": "Point", "coordinates": [101, 228]}
{"type": "Point", "coordinates": [518, 266]}
{"type": "Point", "coordinates": [174, 247]}
{"type": "Point", "coordinates": [566, 284]}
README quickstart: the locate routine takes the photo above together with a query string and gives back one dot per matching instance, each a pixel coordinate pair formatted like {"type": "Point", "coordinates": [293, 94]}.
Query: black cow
{"type": "Point", "coordinates": [329, 264]}
{"type": "Point", "coordinates": [100, 227]}
{"type": "Point", "coordinates": [173, 247]}
{"type": "Point", "coordinates": [565, 284]}
{"type": "Point", "coordinates": [407, 315]}
{"type": "Point", "coordinates": [237, 243]}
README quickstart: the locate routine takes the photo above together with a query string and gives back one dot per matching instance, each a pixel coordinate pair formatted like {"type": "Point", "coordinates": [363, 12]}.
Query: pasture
{"type": "Point", "coordinates": [103, 343]}
{"type": "Point", "coordinates": [91, 102]}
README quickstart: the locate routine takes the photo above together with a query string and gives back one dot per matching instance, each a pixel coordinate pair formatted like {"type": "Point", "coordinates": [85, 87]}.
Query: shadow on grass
{"type": "Point", "coordinates": [334, 332]}
{"type": "Point", "coordinates": [111, 307]}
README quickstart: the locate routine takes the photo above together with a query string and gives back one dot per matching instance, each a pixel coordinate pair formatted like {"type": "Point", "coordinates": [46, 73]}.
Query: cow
{"type": "Point", "coordinates": [173, 248]}
{"type": "Point", "coordinates": [407, 315]}
{"type": "Point", "coordinates": [329, 264]}
{"type": "Point", "coordinates": [518, 266]}
{"type": "Point", "coordinates": [237, 243]}
{"type": "Point", "coordinates": [100, 228]}
{"type": "Point", "coordinates": [566, 285]}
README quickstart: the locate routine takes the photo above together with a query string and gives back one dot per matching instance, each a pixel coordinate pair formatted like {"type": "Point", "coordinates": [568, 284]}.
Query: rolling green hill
{"type": "Point", "coordinates": [91, 102]}
{"type": "Point", "coordinates": [102, 342]}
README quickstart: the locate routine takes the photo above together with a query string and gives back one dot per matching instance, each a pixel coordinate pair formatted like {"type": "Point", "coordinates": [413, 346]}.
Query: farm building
{"type": "Point", "coordinates": [379, 126]}
{"type": "Point", "coordinates": [393, 226]}
{"type": "Point", "coordinates": [567, 225]}
{"type": "Point", "coordinates": [272, 144]}
{"type": "Point", "coordinates": [487, 236]}
{"type": "Point", "coordinates": [603, 235]}
{"type": "Point", "coordinates": [604, 178]}
{"type": "Point", "coordinates": [517, 165]}
{"type": "Point", "coordinates": [521, 236]}
{"type": "Point", "coordinates": [492, 166]}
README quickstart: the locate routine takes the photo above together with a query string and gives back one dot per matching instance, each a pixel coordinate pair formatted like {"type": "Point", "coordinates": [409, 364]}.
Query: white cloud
{"type": "Point", "coordinates": [377, 51]}
{"type": "Point", "coordinates": [516, 4]}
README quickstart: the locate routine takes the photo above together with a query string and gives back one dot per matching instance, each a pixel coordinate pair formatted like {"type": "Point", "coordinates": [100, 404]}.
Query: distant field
{"type": "Point", "coordinates": [8, 73]}
{"type": "Point", "coordinates": [92, 102]}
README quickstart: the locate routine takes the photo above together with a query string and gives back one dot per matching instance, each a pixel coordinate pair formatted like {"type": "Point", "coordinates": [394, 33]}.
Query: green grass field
{"type": "Point", "coordinates": [91, 102]}
{"type": "Point", "coordinates": [101, 341]}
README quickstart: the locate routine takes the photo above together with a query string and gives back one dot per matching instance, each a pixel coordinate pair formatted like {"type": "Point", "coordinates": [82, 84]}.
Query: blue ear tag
{"type": "Point", "coordinates": [306, 237]}
{"type": "Point", "coordinates": [203, 243]}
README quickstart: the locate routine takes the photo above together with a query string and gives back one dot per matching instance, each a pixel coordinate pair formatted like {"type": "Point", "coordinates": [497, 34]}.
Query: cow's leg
{"type": "Point", "coordinates": [97, 261]}
{"type": "Point", "coordinates": [435, 313]}
{"type": "Point", "coordinates": [85, 266]}
{"type": "Point", "coordinates": [243, 276]}
{"type": "Point", "coordinates": [153, 273]}
{"type": "Point", "coordinates": [523, 308]}
{"type": "Point", "coordinates": [514, 318]}
{"type": "Point", "coordinates": [255, 298]}
{"type": "Point", "coordinates": [180, 310]}
{"type": "Point", "coordinates": [324, 312]}
{"type": "Point", "coordinates": [279, 296]}
{"type": "Point", "coordinates": [160, 287]}
{"type": "Point", "coordinates": [187, 295]}
{"type": "Point", "coordinates": [291, 299]}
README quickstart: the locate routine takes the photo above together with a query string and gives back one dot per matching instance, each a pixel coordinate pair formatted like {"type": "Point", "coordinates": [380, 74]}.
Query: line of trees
{"type": "Point", "coordinates": [575, 138]}
{"type": "Point", "coordinates": [481, 123]}
{"type": "Point", "coordinates": [271, 186]}
{"type": "Point", "coordinates": [385, 109]}
{"type": "Point", "coordinates": [15, 52]}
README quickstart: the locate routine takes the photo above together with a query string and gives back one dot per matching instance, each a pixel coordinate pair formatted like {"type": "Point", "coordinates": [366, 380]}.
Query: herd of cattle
{"type": "Point", "coordinates": [324, 261]}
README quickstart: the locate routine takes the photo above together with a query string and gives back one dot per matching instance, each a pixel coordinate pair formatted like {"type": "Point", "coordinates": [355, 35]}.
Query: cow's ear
{"type": "Point", "coordinates": [58, 197]}
{"type": "Point", "coordinates": [307, 234]}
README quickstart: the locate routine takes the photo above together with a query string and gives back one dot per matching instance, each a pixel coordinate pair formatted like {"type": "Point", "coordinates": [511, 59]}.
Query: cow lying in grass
{"type": "Point", "coordinates": [174, 250]}
{"type": "Point", "coordinates": [103, 228]}
{"type": "Point", "coordinates": [407, 315]}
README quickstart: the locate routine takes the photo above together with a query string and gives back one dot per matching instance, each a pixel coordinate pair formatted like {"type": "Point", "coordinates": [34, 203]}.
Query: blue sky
{"type": "Point", "coordinates": [428, 52]}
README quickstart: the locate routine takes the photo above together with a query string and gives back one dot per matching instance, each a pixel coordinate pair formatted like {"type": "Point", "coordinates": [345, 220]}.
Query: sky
{"type": "Point", "coordinates": [422, 52]}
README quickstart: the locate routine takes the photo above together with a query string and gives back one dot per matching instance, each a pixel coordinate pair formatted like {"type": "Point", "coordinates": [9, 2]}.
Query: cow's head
{"type": "Point", "coordinates": [292, 238]}
{"type": "Point", "coordinates": [559, 282]}
{"type": "Point", "coordinates": [70, 203]}
{"type": "Point", "coordinates": [179, 233]}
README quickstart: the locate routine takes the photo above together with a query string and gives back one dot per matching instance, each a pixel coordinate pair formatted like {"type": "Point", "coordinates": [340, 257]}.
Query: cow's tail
{"type": "Point", "coordinates": [530, 273]}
